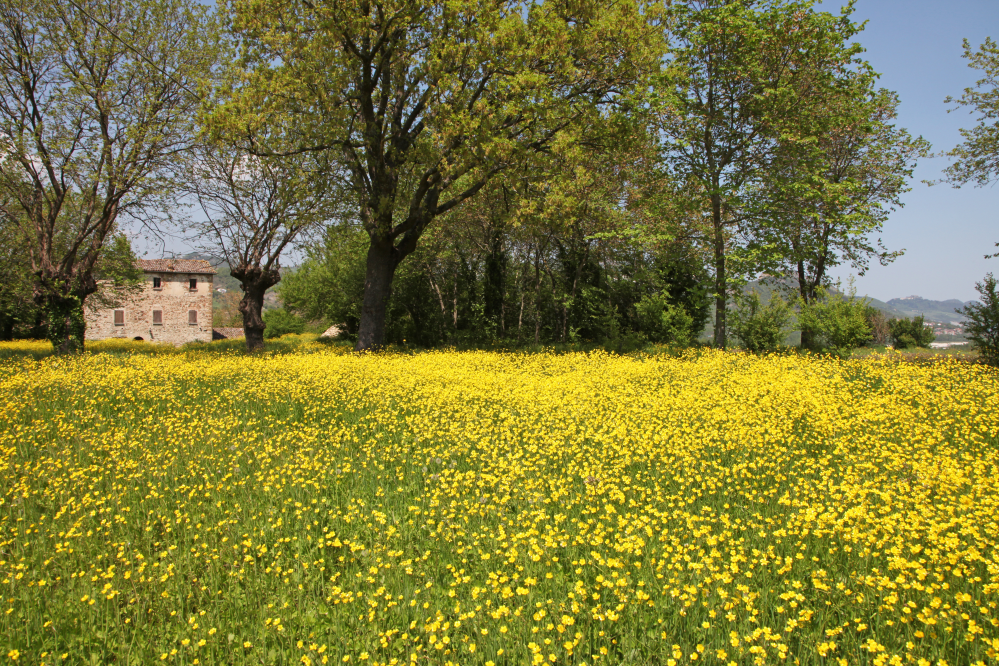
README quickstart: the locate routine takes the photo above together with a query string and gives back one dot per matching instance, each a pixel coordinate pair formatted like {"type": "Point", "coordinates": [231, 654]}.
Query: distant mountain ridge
{"type": "Point", "coordinates": [908, 306]}
{"type": "Point", "coordinates": [943, 311]}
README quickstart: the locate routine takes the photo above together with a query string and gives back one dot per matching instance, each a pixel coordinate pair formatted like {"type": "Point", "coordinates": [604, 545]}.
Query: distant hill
{"type": "Point", "coordinates": [910, 306]}
{"type": "Point", "coordinates": [889, 310]}
{"type": "Point", "coordinates": [943, 311]}
{"type": "Point", "coordinates": [765, 289]}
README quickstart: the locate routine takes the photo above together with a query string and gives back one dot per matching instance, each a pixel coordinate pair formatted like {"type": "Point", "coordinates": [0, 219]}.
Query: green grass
{"type": "Point", "coordinates": [309, 502]}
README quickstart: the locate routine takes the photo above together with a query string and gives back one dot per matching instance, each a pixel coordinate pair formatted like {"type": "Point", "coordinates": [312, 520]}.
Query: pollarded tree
{"type": "Point", "coordinates": [424, 100]}
{"type": "Point", "coordinates": [978, 157]}
{"type": "Point", "coordinates": [91, 130]}
{"type": "Point", "coordinates": [256, 208]}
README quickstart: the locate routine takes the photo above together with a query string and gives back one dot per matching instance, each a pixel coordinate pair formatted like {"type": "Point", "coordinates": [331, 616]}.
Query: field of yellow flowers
{"type": "Point", "coordinates": [314, 507]}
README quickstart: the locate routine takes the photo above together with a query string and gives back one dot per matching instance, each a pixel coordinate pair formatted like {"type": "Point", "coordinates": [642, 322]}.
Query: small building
{"type": "Point", "coordinates": [174, 306]}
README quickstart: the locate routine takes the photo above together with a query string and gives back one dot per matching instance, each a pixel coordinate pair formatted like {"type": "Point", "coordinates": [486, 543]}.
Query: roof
{"type": "Point", "coordinates": [227, 333]}
{"type": "Point", "coordinates": [176, 266]}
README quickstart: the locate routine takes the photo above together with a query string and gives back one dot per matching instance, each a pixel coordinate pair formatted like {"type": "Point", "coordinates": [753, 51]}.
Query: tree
{"type": "Point", "coordinates": [17, 307]}
{"type": "Point", "coordinates": [425, 100]}
{"type": "Point", "coordinates": [665, 322]}
{"type": "Point", "coordinates": [281, 322]}
{"type": "Point", "coordinates": [982, 326]}
{"type": "Point", "coordinates": [733, 83]}
{"type": "Point", "coordinates": [978, 157]}
{"type": "Point", "coordinates": [256, 208]}
{"type": "Point", "coordinates": [907, 333]}
{"type": "Point", "coordinates": [830, 188]}
{"type": "Point", "coordinates": [839, 322]}
{"type": "Point", "coordinates": [91, 130]}
{"type": "Point", "coordinates": [761, 328]}
{"type": "Point", "coordinates": [329, 285]}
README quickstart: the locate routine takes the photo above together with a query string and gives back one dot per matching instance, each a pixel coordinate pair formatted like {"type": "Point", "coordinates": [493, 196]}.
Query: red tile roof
{"type": "Point", "coordinates": [197, 266]}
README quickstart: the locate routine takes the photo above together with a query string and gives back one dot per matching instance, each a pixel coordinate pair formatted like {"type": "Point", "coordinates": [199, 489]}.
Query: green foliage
{"type": "Point", "coordinates": [744, 52]}
{"type": "Point", "coordinates": [18, 311]}
{"type": "Point", "coordinates": [282, 322]}
{"type": "Point", "coordinates": [66, 326]}
{"type": "Point", "coordinates": [906, 333]}
{"type": "Point", "coordinates": [978, 157]}
{"type": "Point", "coordinates": [823, 201]}
{"type": "Point", "coordinates": [982, 325]}
{"type": "Point", "coordinates": [93, 127]}
{"type": "Point", "coordinates": [329, 285]}
{"type": "Point", "coordinates": [455, 290]}
{"type": "Point", "coordinates": [682, 276]}
{"type": "Point", "coordinates": [467, 91]}
{"type": "Point", "coordinates": [760, 328]}
{"type": "Point", "coordinates": [662, 321]}
{"type": "Point", "coordinates": [117, 273]}
{"type": "Point", "coordinates": [838, 321]}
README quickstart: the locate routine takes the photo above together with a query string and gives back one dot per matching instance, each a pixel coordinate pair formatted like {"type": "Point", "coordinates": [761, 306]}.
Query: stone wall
{"type": "Point", "coordinates": [174, 299]}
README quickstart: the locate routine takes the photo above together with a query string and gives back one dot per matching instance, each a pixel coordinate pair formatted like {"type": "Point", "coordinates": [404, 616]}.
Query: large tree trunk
{"type": "Point", "coordinates": [537, 297]}
{"type": "Point", "coordinates": [381, 265]}
{"type": "Point", "coordinates": [721, 279]}
{"type": "Point", "coordinates": [251, 306]}
{"type": "Point", "coordinates": [255, 281]}
{"type": "Point", "coordinates": [493, 291]}
{"type": "Point", "coordinates": [807, 334]}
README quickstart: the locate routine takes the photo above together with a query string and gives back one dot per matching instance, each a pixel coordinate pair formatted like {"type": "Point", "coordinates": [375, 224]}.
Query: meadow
{"type": "Point", "coordinates": [203, 506]}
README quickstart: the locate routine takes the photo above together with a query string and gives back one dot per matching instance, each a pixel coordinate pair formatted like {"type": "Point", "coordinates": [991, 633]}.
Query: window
{"type": "Point", "coordinates": [194, 284]}
{"type": "Point", "coordinates": [192, 316]}
{"type": "Point", "coordinates": [119, 317]}
{"type": "Point", "coordinates": [157, 317]}
{"type": "Point", "coordinates": [157, 283]}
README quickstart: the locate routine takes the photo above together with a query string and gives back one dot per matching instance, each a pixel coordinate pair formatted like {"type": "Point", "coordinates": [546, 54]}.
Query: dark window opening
{"type": "Point", "coordinates": [157, 317]}
{"type": "Point", "coordinates": [119, 317]}
{"type": "Point", "coordinates": [157, 283]}
{"type": "Point", "coordinates": [192, 316]}
{"type": "Point", "coordinates": [194, 284]}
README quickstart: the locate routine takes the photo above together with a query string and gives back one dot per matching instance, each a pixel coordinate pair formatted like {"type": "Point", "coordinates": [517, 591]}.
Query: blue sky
{"type": "Point", "coordinates": [916, 46]}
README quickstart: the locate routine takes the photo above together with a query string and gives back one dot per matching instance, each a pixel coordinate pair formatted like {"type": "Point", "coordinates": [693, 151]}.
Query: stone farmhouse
{"type": "Point", "coordinates": [174, 306]}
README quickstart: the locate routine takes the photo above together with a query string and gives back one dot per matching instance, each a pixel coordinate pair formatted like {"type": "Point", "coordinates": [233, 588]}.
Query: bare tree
{"type": "Point", "coordinates": [256, 208]}
{"type": "Point", "coordinates": [92, 129]}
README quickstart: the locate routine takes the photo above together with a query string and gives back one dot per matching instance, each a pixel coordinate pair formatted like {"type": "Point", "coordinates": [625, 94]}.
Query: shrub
{"type": "Point", "coordinates": [839, 322]}
{"type": "Point", "coordinates": [905, 333]}
{"type": "Point", "coordinates": [281, 322]}
{"type": "Point", "coordinates": [662, 321]}
{"type": "Point", "coordinates": [760, 329]}
{"type": "Point", "coordinates": [879, 324]}
{"type": "Point", "coordinates": [982, 326]}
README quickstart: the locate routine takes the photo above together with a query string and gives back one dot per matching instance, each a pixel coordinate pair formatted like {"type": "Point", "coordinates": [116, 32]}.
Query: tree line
{"type": "Point", "coordinates": [533, 171]}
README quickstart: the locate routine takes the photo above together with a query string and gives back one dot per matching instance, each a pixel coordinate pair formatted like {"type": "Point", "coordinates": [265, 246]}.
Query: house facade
{"type": "Point", "coordinates": [174, 306]}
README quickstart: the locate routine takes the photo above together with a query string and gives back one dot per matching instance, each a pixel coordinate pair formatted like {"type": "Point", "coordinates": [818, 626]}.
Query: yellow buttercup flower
{"type": "Point", "coordinates": [474, 507]}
